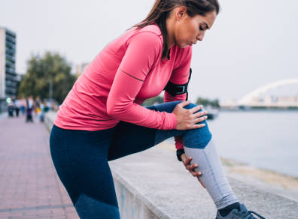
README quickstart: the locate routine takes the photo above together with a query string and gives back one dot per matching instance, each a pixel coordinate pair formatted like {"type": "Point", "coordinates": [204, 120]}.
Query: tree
{"type": "Point", "coordinates": [206, 102]}
{"type": "Point", "coordinates": [46, 73]}
{"type": "Point", "coordinates": [153, 100]}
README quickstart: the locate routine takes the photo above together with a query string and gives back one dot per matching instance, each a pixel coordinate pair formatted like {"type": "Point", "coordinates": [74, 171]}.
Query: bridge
{"type": "Point", "coordinates": [260, 97]}
{"type": "Point", "coordinates": [254, 98]}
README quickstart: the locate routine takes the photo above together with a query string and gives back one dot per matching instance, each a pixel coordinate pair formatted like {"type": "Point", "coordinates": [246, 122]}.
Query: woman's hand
{"type": "Point", "coordinates": [191, 167]}
{"type": "Point", "coordinates": [187, 118]}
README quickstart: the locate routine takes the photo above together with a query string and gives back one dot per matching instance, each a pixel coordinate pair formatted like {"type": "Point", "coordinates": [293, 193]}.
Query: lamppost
{"type": "Point", "coordinates": [51, 90]}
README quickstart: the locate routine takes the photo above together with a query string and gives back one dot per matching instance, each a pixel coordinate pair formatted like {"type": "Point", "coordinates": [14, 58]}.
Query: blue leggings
{"type": "Point", "coordinates": [81, 159]}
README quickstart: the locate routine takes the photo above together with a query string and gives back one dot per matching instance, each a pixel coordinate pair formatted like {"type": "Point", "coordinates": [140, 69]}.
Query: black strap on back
{"type": "Point", "coordinates": [176, 89]}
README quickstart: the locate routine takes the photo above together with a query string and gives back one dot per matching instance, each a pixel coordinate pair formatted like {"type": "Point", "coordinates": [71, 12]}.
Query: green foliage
{"type": "Point", "coordinates": [44, 70]}
{"type": "Point", "coordinates": [200, 101]}
{"type": "Point", "coordinates": [206, 102]}
{"type": "Point", "coordinates": [152, 101]}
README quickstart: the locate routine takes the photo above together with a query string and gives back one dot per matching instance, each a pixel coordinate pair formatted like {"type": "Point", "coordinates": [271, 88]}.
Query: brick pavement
{"type": "Point", "coordinates": [29, 186]}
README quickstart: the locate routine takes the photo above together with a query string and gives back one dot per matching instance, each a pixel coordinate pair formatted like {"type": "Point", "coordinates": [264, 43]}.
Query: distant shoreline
{"type": "Point", "coordinates": [265, 109]}
{"type": "Point", "coordinates": [275, 182]}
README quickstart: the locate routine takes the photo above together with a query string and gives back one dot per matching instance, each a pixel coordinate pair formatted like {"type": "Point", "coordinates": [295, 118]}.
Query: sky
{"type": "Point", "coordinates": [252, 42]}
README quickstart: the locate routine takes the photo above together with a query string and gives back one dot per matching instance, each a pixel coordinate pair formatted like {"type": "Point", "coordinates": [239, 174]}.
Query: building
{"type": "Point", "coordinates": [8, 76]}
{"type": "Point", "coordinates": [81, 68]}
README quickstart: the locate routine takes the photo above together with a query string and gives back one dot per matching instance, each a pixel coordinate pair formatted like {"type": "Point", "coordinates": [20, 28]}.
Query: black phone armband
{"type": "Point", "coordinates": [176, 89]}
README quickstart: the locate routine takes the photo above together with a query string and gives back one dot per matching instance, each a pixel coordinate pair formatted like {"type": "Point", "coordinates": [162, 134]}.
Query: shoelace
{"type": "Point", "coordinates": [249, 213]}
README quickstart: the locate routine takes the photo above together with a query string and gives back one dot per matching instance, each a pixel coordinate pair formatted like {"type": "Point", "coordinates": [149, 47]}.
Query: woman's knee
{"type": "Point", "coordinates": [191, 105]}
{"type": "Point", "coordinates": [164, 107]}
{"type": "Point", "coordinates": [197, 138]}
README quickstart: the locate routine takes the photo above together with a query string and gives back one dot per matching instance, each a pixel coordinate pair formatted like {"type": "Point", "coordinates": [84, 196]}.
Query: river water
{"type": "Point", "coordinates": [265, 139]}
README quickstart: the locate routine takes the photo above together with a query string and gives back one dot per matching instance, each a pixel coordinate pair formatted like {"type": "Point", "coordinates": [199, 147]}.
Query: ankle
{"type": "Point", "coordinates": [226, 210]}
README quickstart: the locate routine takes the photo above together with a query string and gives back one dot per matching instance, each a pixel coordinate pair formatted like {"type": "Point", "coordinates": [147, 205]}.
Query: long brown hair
{"type": "Point", "coordinates": [162, 8]}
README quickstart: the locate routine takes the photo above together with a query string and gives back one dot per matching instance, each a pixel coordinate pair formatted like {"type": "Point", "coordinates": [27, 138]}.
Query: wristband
{"type": "Point", "coordinates": [179, 153]}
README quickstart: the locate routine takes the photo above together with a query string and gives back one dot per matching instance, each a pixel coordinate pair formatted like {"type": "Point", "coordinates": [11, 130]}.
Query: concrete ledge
{"type": "Point", "coordinates": [153, 184]}
{"type": "Point", "coordinates": [49, 119]}
{"type": "Point", "coordinates": [133, 204]}
{"type": "Point", "coordinates": [156, 178]}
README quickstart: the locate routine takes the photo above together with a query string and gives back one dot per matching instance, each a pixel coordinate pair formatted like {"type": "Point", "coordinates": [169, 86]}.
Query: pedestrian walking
{"type": "Point", "coordinates": [29, 109]}
{"type": "Point", "coordinates": [23, 106]}
{"type": "Point", "coordinates": [17, 104]}
{"type": "Point", "coordinates": [10, 109]}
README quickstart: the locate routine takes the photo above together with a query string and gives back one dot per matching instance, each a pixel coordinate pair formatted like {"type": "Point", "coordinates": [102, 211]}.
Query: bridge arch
{"type": "Point", "coordinates": [245, 100]}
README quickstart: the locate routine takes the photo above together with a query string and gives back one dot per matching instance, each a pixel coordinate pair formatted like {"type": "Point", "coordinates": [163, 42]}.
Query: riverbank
{"type": "Point", "coordinates": [270, 181]}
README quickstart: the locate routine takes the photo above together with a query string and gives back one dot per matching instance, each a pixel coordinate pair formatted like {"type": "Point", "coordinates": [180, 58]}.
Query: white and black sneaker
{"type": "Point", "coordinates": [243, 213]}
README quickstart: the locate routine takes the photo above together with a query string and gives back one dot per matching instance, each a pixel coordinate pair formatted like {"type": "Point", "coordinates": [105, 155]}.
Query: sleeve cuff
{"type": "Point", "coordinates": [179, 142]}
{"type": "Point", "coordinates": [174, 119]}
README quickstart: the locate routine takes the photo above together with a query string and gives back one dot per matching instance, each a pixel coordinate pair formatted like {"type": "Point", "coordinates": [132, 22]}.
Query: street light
{"type": "Point", "coordinates": [51, 90]}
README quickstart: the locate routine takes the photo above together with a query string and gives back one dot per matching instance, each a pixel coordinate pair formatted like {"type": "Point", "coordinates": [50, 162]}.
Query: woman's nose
{"type": "Point", "coordinates": [200, 37]}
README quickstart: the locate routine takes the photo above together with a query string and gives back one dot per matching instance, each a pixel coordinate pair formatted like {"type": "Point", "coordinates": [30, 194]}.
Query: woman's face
{"type": "Point", "coordinates": [188, 30]}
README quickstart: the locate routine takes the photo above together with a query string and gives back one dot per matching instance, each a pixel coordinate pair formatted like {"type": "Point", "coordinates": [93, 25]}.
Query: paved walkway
{"type": "Point", "coordinates": [29, 187]}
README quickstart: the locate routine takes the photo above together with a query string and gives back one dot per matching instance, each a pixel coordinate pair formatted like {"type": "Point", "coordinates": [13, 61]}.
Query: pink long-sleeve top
{"type": "Point", "coordinates": [123, 75]}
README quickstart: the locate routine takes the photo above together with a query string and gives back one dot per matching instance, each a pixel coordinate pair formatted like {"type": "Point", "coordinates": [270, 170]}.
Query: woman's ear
{"type": "Point", "coordinates": [180, 12]}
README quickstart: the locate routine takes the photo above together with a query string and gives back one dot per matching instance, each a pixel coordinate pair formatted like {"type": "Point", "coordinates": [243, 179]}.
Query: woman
{"type": "Point", "coordinates": [101, 119]}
